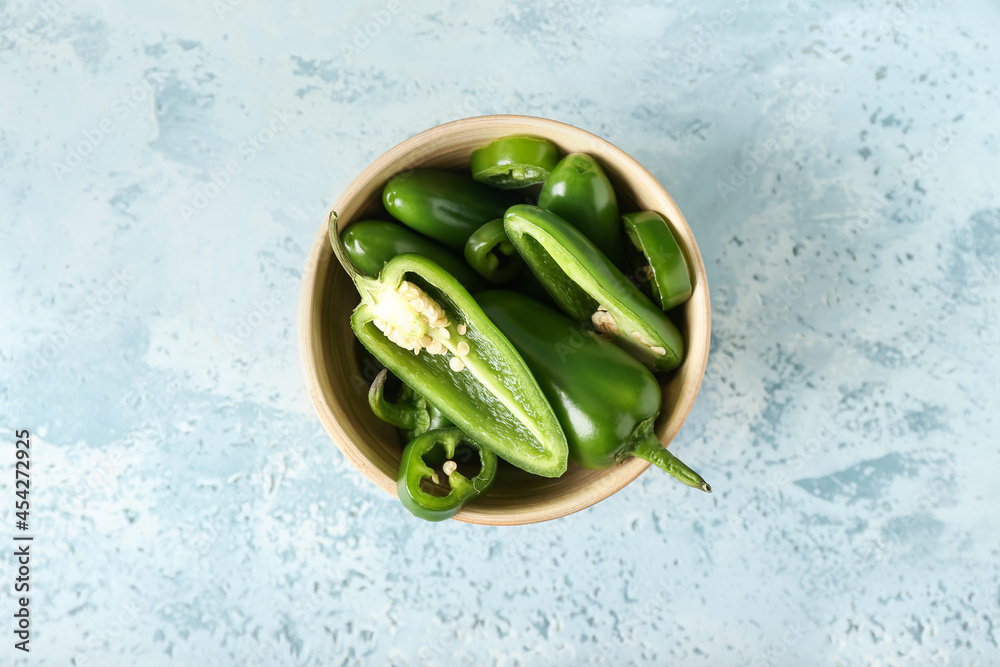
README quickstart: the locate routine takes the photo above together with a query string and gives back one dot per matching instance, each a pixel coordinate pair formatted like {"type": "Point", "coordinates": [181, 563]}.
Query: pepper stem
{"type": "Point", "coordinates": [648, 448]}
{"type": "Point", "coordinates": [338, 247]}
{"type": "Point", "coordinates": [400, 416]}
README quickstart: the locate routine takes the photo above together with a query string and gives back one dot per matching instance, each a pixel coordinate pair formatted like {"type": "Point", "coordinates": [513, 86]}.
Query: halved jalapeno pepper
{"type": "Point", "coordinates": [514, 162]}
{"type": "Point", "coordinates": [589, 288]}
{"type": "Point", "coordinates": [419, 483]}
{"type": "Point", "coordinates": [656, 259]}
{"type": "Point", "coordinates": [468, 370]}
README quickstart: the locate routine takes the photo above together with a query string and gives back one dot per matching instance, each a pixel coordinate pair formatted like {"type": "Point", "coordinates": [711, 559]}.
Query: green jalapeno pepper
{"type": "Point", "coordinates": [606, 401]}
{"type": "Point", "coordinates": [514, 162]}
{"type": "Point", "coordinates": [419, 483]}
{"type": "Point", "coordinates": [444, 205]}
{"type": "Point", "coordinates": [579, 192]}
{"type": "Point", "coordinates": [656, 259]}
{"type": "Point", "coordinates": [371, 243]}
{"type": "Point", "coordinates": [411, 413]}
{"type": "Point", "coordinates": [589, 288]}
{"type": "Point", "coordinates": [491, 253]}
{"type": "Point", "coordinates": [468, 370]}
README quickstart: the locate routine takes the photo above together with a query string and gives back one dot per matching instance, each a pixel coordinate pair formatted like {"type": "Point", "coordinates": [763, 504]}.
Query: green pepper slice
{"type": "Point", "coordinates": [514, 162]}
{"type": "Point", "coordinates": [589, 288]}
{"type": "Point", "coordinates": [606, 401]}
{"type": "Point", "coordinates": [579, 192]}
{"type": "Point", "coordinates": [444, 205]}
{"type": "Point", "coordinates": [371, 243]}
{"type": "Point", "coordinates": [491, 253]}
{"type": "Point", "coordinates": [468, 370]}
{"type": "Point", "coordinates": [419, 485]}
{"type": "Point", "coordinates": [493, 256]}
{"type": "Point", "coordinates": [411, 413]}
{"type": "Point", "coordinates": [657, 260]}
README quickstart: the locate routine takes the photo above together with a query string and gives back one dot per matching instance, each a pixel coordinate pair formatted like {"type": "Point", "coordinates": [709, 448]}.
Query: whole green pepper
{"type": "Point", "coordinates": [606, 401]}
{"type": "Point", "coordinates": [444, 205]}
{"type": "Point", "coordinates": [372, 243]}
{"type": "Point", "coordinates": [468, 371]}
{"type": "Point", "coordinates": [579, 192]}
{"type": "Point", "coordinates": [589, 288]}
{"type": "Point", "coordinates": [419, 485]}
{"type": "Point", "coordinates": [514, 162]}
{"type": "Point", "coordinates": [656, 259]}
{"type": "Point", "coordinates": [411, 413]}
{"type": "Point", "coordinates": [491, 253]}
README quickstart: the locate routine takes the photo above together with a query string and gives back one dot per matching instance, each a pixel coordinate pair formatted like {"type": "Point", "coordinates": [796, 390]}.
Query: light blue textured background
{"type": "Point", "coordinates": [837, 162]}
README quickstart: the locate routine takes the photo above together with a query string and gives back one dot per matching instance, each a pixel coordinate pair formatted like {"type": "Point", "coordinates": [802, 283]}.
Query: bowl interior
{"type": "Point", "coordinates": [338, 383]}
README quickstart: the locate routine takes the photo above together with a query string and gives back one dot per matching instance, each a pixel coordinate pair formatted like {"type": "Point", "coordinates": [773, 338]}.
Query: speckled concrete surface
{"type": "Point", "coordinates": [165, 167]}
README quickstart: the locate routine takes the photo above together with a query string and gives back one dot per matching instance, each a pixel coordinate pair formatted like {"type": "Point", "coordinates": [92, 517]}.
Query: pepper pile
{"type": "Point", "coordinates": [520, 331]}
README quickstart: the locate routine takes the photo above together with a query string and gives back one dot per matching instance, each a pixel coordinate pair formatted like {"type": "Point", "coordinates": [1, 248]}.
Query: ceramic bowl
{"type": "Point", "coordinates": [338, 387]}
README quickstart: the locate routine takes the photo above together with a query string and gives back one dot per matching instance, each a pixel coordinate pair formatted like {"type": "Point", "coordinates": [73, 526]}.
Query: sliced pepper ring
{"type": "Point", "coordinates": [491, 253]}
{"type": "Point", "coordinates": [514, 162]}
{"type": "Point", "coordinates": [416, 494]}
{"type": "Point", "coordinates": [659, 264]}
{"type": "Point", "coordinates": [589, 288]}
